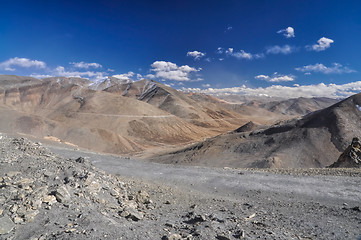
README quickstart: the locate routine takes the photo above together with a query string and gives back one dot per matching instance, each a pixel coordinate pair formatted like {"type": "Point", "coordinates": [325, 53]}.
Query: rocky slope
{"type": "Point", "coordinates": [49, 196]}
{"type": "Point", "coordinates": [351, 157]}
{"type": "Point", "coordinates": [315, 140]}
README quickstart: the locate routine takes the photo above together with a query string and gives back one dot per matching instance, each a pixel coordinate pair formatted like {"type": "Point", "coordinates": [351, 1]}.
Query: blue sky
{"type": "Point", "coordinates": [292, 48]}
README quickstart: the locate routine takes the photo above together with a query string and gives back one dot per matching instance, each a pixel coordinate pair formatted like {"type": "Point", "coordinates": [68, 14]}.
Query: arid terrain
{"type": "Point", "coordinates": [119, 159]}
{"type": "Point", "coordinates": [311, 141]}
{"type": "Point", "coordinates": [56, 193]}
{"type": "Point", "coordinates": [125, 117]}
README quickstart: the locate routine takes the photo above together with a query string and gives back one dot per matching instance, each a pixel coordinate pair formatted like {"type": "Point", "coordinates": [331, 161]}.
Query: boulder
{"type": "Point", "coordinates": [62, 194]}
{"type": "Point", "coordinates": [351, 157]}
{"type": "Point", "coordinates": [6, 225]}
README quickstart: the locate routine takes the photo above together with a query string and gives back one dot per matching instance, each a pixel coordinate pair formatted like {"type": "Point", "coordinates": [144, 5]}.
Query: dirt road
{"type": "Point", "coordinates": [231, 183]}
{"type": "Point", "coordinates": [262, 204]}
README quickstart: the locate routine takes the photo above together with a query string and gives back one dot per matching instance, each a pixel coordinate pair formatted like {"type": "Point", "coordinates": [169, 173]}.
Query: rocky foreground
{"type": "Point", "coordinates": [47, 196]}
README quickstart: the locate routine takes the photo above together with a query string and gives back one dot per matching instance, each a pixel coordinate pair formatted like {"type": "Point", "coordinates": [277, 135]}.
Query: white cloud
{"type": "Point", "coordinates": [314, 90]}
{"type": "Point", "coordinates": [170, 71]}
{"type": "Point", "coordinates": [228, 29]}
{"type": "Point", "coordinates": [207, 85]}
{"type": "Point", "coordinates": [150, 76]}
{"type": "Point", "coordinates": [239, 55]}
{"type": "Point", "coordinates": [124, 76]}
{"type": "Point", "coordinates": [282, 78]}
{"type": "Point", "coordinates": [220, 50]}
{"type": "Point", "coordinates": [289, 32]}
{"type": "Point", "coordinates": [60, 71]}
{"type": "Point", "coordinates": [286, 49]}
{"type": "Point", "coordinates": [110, 70]}
{"type": "Point", "coordinates": [276, 78]}
{"type": "Point", "coordinates": [86, 65]}
{"type": "Point", "coordinates": [196, 55]}
{"type": "Point", "coordinates": [322, 44]}
{"type": "Point", "coordinates": [262, 77]}
{"type": "Point", "coordinates": [39, 76]}
{"type": "Point", "coordinates": [319, 67]}
{"type": "Point", "coordinates": [43, 71]}
{"type": "Point", "coordinates": [9, 64]}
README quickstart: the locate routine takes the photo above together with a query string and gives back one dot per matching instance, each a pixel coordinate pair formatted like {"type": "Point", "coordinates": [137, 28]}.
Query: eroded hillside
{"type": "Point", "coordinates": [315, 140]}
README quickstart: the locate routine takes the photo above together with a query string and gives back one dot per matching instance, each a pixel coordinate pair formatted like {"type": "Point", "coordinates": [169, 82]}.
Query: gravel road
{"type": "Point", "coordinates": [62, 193]}
{"type": "Point", "coordinates": [274, 204]}
{"type": "Point", "coordinates": [231, 183]}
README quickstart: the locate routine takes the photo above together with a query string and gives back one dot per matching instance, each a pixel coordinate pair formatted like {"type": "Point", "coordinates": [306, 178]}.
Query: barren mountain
{"type": "Point", "coordinates": [202, 113]}
{"type": "Point", "coordinates": [121, 116]}
{"type": "Point", "coordinates": [267, 110]}
{"type": "Point", "coordinates": [65, 109]}
{"type": "Point", "coordinates": [298, 106]}
{"type": "Point", "coordinates": [116, 116]}
{"type": "Point", "coordinates": [315, 140]}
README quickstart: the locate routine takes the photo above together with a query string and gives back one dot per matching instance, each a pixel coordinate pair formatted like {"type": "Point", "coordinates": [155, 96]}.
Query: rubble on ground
{"type": "Point", "coordinates": [33, 181]}
{"type": "Point", "coordinates": [47, 196]}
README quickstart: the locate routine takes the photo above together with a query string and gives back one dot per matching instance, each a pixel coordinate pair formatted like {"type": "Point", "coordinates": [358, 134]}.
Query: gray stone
{"type": "Point", "coordinates": [12, 174]}
{"type": "Point", "coordinates": [222, 237]}
{"type": "Point", "coordinates": [6, 225]}
{"type": "Point", "coordinates": [29, 216]}
{"type": "Point", "coordinates": [18, 220]}
{"type": "Point", "coordinates": [49, 199]}
{"type": "Point", "coordinates": [131, 213]}
{"type": "Point", "coordinates": [172, 237]}
{"type": "Point", "coordinates": [62, 194]}
{"type": "Point", "coordinates": [143, 197]}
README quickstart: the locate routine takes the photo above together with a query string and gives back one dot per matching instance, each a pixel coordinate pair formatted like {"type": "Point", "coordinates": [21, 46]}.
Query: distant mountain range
{"type": "Point", "coordinates": [126, 117]}
{"type": "Point", "coordinates": [314, 140]}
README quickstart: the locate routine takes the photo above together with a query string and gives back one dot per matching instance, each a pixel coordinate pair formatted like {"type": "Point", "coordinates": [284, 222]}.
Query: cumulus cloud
{"type": "Point", "coordinates": [289, 32]}
{"type": "Point", "coordinates": [276, 78]}
{"type": "Point", "coordinates": [9, 64]}
{"type": "Point", "coordinates": [262, 77]}
{"type": "Point", "coordinates": [196, 55]}
{"type": "Point", "coordinates": [43, 71]}
{"type": "Point", "coordinates": [86, 65]}
{"type": "Point", "coordinates": [322, 44]}
{"type": "Point", "coordinates": [124, 76]}
{"type": "Point", "coordinates": [170, 71]}
{"type": "Point", "coordinates": [314, 90]}
{"type": "Point", "coordinates": [282, 78]}
{"type": "Point", "coordinates": [319, 67]}
{"type": "Point", "coordinates": [239, 55]}
{"type": "Point", "coordinates": [150, 76]}
{"type": "Point", "coordinates": [286, 49]}
{"type": "Point", "coordinates": [39, 76]}
{"type": "Point", "coordinates": [60, 71]}
{"type": "Point", "coordinates": [220, 50]}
